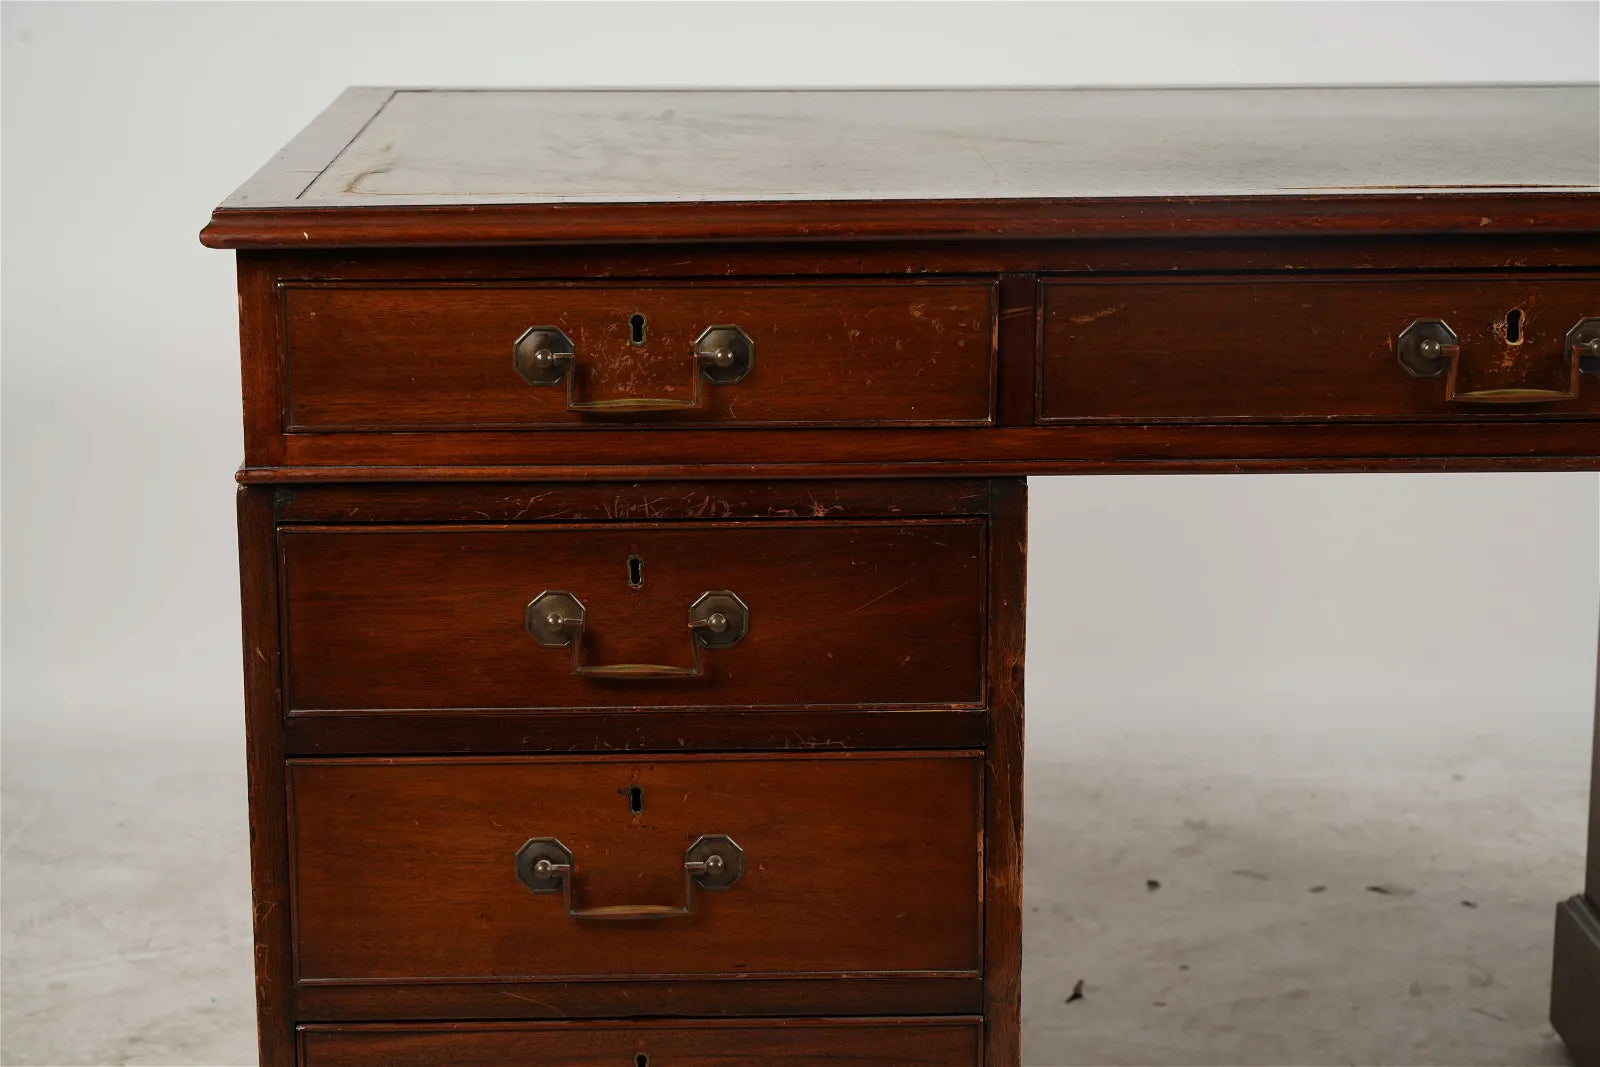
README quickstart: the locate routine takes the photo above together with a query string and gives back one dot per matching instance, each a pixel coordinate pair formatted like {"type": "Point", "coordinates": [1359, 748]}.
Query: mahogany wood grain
{"type": "Point", "coordinates": [630, 501]}
{"type": "Point", "coordinates": [858, 352]}
{"type": "Point", "coordinates": [1241, 260]}
{"type": "Point", "coordinates": [1283, 348]}
{"type": "Point", "coordinates": [925, 1042]}
{"type": "Point", "coordinates": [1221, 216]}
{"type": "Point", "coordinates": [1486, 440]}
{"type": "Point", "coordinates": [403, 870]}
{"type": "Point", "coordinates": [264, 755]}
{"type": "Point", "coordinates": [1175, 254]}
{"type": "Point", "coordinates": [1019, 327]}
{"type": "Point", "coordinates": [848, 614]}
{"type": "Point", "coordinates": [1003, 762]}
{"type": "Point", "coordinates": [475, 732]}
{"type": "Point", "coordinates": [690, 998]}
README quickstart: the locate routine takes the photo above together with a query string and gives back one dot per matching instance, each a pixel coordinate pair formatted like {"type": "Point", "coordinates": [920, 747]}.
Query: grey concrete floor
{"type": "Point", "coordinates": [126, 914]}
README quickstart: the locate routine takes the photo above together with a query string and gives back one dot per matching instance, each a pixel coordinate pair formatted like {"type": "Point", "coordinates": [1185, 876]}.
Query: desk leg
{"type": "Point", "coordinates": [1002, 934]}
{"type": "Point", "coordinates": [1575, 987]}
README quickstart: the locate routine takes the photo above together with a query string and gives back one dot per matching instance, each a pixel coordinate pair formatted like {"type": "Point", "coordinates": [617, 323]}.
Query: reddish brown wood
{"type": "Point", "coordinates": [866, 613]}
{"type": "Point", "coordinates": [826, 353]}
{"type": "Point", "coordinates": [261, 376]}
{"type": "Point", "coordinates": [916, 269]}
{"type": "Point", "coordinates": [403, 870]}
{"type": "Point", "coordinates": [475, 732]}
{"type": "Point", "coordinates": [1175, 254]}
{"type": "Point", "coordinates": [521, 224]}
{"type": "Point", "coordinates": [800, 1042]}
{"type": "Point", "coordinates": [630, 501]}
{"type": "Point", "coordinates": [697, 998]}
{"type": "Point", "coordinates": [1489, 440]}
{"type": "Point", "coordinates": [1019, 324]}
{"type": "Point", "coordinates": [269, 843]}
{"type": "Point", "coordinates": [1008, 584]}
{"type": "Point", "coordinates": [1277, 348]}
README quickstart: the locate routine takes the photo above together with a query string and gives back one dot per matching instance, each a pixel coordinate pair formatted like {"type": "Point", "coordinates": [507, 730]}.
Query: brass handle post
{"type": "Point", "coordinates": [1429, 348]}
{"type": "Point", "coordinates": [544, 355]}
{"type": "Point", "coordinates": [718, 619]}
{"type": "Point", "coordinates": [714, 862]}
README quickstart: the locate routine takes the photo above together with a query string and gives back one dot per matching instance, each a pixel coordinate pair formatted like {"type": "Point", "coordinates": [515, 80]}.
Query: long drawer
{"type": "Point", "coordinates": [904, 1042]}
{"type": "Point", "coordinates": [1285, 347]}
{"type": "Point", "coordinates": [774, 614]}
{"type": "Point", "coordinates": [552, 868]}
{"type": "Point", "coordinates": [863, 352]}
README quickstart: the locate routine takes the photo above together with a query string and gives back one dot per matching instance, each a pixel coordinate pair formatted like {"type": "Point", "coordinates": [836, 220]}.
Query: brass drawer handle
{"type": "Point", "coordinates": [712, 863]}
{"type": "Point", "coordinates": [1429, 347]}
{"type": "Point", "coordinates": [718, 619]}
{"type": "Point", "coordinates": [723, 355]}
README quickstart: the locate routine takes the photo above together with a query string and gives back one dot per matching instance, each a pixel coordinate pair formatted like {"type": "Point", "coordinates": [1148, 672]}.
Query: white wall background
{"type": "Point", "coordinates": [1295, 596]}
{"type": "Point", "coordinates": [1290, 618]}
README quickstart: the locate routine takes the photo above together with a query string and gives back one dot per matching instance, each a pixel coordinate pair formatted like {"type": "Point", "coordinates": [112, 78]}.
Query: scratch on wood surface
{"type": "Point", "coordinates": [880, 596]}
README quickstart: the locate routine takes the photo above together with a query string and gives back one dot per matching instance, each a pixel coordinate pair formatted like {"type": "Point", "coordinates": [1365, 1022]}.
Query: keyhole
{"type": "Point", "coordinates": [635, 572]}
{"type": "Point", "coordinates": [636, 800]}
{"type": "Point", "coordinates": [1514, 326]}
{"type": "Point", "coordinates": [636, 329]}
{"type": "Point", "coordinates": [641, 1060]}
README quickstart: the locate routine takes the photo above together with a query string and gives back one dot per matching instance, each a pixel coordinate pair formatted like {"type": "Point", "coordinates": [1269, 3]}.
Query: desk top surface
{"type": "Point", "coordinates": [691, 164]}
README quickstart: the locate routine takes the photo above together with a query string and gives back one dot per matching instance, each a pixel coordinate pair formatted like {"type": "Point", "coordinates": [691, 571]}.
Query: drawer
{"type": "Point", "coordinates": [827, 865]}
{"type": "Point", "coordinates": [458, 357]}
{"type": "Point", "coordinates": [923, 1042]}
{"type": "Point", "coordinates": [1276, 347]}
{"type": "Point", "coordinates": [816, 614]}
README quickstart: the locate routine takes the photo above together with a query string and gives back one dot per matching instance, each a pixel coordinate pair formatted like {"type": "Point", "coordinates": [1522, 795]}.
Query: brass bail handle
{"type": "Point", "coordinates": [714, 862]}
{"type": "Point", "coordinates": [1429, 348]}
{"type": "Point", "coordinates": [717, 619]}
{"type": "Point", "coordinates": [722, 355]}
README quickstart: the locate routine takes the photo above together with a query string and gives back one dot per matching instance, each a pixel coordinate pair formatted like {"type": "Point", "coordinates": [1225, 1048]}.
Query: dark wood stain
{"type": "Point", "coordinates": [841, 614]}
{"type": "Point", "coordinates": [432, 358]}
{"type": "Point", "coordinates": [404, 869]}
{"type": "Point", "coordinates": [809, 1042]}
{"type": "Point", "coordinates": [1249, 347]}
{"type": "Point", "coordinates": [948, 290]}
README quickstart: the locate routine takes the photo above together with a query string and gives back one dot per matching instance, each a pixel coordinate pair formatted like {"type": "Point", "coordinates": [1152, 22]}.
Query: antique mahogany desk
{"type": "Point", "coordinates": [633, 513]}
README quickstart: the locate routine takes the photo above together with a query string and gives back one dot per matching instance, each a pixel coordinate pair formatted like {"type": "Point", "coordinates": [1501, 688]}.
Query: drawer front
{"type": "Point", "coordinates": [835, 613]}
{"type": "Point", "coordinates": [428, 869]}
{"type": "Point", "coordinates": [924, 1042]}
{"type": "Point", "coordinates": [1314, 348]}
{"type": "Point", "coordinates": [863, 353]}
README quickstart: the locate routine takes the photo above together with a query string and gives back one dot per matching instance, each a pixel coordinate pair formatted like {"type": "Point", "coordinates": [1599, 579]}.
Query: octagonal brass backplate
{"type": "Point", "coordinates": [734, 618]}
{"type": "Point", "coordinates": [543, 848]}
{"type": "Point", "coordinates": [1409, 349]}
{"type": "Point", "coordinates": [548, 617]}
{"type": "Point", "coordinates": [1586, 334]}
{"type": "Point", "coordinates": [716, 876]}
{"type": "Point", "coordinates": [540, 356]}
{"type": "Point", "coordinates": [726, 354]}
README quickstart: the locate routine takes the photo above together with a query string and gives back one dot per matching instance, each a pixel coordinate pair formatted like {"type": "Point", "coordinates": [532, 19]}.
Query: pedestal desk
{"type": "Point", "coordinates": [632, 520]}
